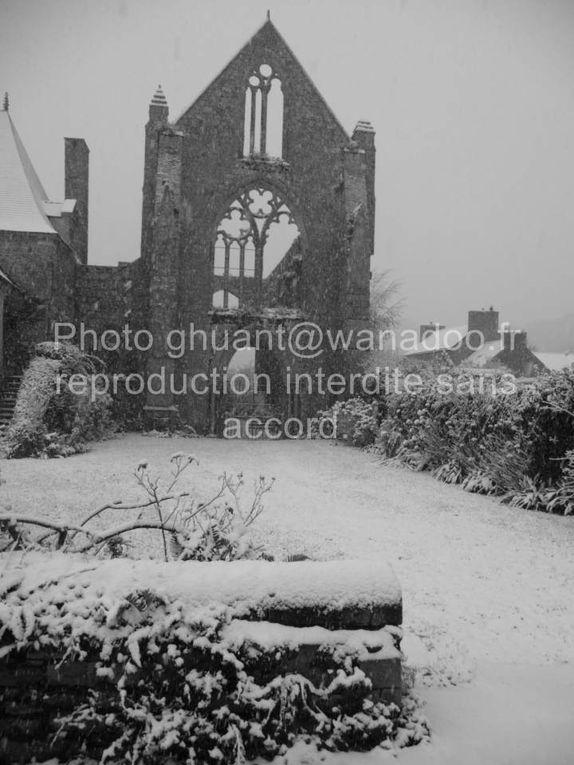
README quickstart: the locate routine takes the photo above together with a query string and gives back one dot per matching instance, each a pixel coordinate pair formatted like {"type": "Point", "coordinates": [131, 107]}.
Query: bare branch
{"type": "Point", "coordinates": [557, 408]}
{"type": "Point", "coordinates": [127, 527]}
{"type": "Point", "coordinates": [55, 527]}
{"type": "Point", "coordinates": [116, 506]}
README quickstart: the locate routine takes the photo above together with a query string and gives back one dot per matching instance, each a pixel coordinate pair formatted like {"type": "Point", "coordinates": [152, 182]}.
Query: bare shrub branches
{"type": "Point", "coordinates": [191, 529]}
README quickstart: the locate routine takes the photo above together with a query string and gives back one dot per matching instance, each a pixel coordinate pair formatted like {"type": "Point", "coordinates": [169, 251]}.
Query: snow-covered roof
{"type": "Point", "coordinates": [57, 209]}
{"type": "Point", "coordinates": [22, 195]}
{"type": "Point", "coordinates": [484, 355]}
{"type": "Point", "coordinates": [555, 362]}
{"type": "Point", "coordinates": [440, 340]}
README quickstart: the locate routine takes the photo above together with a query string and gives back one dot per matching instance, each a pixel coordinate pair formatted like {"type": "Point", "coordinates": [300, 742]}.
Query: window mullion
{"type": "Point", "coordinates": [263, 140]}
{"type": "Point", "coordinates": [252, 121]}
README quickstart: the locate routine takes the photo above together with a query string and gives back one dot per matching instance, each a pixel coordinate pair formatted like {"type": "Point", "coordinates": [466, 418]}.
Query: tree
{"type": "Point", "coordinates": [385, 313]}
{"type": "Point", "coordinates": [386, 305]}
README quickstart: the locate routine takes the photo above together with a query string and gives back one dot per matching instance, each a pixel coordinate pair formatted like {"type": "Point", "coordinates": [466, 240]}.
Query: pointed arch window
{"type": "Point", "coordinates": [252, 238]}
{"type": "Point", "coordinates": [263, 127]}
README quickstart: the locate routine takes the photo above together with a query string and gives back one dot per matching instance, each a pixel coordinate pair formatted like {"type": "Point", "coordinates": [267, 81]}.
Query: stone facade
{"type": "Point", "coordinates": [194, 170]}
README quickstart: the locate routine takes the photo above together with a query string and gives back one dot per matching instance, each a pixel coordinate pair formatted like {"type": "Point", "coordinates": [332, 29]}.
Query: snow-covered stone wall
{"type": "Point", "coordinates": [74, 626]}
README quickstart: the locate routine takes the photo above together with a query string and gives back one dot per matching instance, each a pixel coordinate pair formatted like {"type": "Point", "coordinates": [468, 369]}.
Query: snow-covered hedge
{"type": "Point", "coordinates": [354, 421]}
{"type": "Point", "coordinates": [49, 420]}
{"type": "Point", "coordinates": [515, 444]}
{"type": "Point", "coordinates": [176, 670]}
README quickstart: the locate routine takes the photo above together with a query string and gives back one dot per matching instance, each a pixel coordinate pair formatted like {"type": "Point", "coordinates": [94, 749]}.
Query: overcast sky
{"type": "Point", "coordinates": [472, 101]}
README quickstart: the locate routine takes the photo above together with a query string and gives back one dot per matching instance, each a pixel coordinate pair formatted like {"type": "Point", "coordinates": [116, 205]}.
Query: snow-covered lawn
{"type": "Point", "coordinates": [488, 590]}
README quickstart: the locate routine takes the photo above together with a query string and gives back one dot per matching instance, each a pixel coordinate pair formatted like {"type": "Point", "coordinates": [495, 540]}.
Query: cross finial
{"type": "Point", "coordinates": [6, 103]}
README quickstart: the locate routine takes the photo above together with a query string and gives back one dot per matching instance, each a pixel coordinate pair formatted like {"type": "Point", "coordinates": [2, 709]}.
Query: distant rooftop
{"type": "Point", "coordinates": [556, 362]}
{"type": "Point", "coordinates": [440, 340]}
{"type": "Point", "coordinates": [484, 355]}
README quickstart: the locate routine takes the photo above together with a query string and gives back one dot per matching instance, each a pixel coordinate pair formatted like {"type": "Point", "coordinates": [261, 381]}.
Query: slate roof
{"type": "Point", "coordinates": [22, 196]}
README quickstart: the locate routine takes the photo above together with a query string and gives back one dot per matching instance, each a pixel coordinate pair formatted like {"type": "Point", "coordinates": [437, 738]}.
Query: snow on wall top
{"type": "Point", "coordinates": [246, 586]}
{"type": "Point", "coordinates": [369, 644]}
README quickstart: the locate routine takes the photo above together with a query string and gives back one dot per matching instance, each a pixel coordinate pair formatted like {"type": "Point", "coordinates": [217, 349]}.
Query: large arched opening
{"type": "Point", "coordinates": [257, 253]}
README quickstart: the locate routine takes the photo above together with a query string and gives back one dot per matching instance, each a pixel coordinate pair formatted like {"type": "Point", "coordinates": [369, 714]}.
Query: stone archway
{"type": "Point", "coordinates": [254, 387]}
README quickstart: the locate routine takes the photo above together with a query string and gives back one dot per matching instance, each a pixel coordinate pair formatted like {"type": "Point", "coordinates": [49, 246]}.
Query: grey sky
{"type": "Point", "coordinates": [472, 101]}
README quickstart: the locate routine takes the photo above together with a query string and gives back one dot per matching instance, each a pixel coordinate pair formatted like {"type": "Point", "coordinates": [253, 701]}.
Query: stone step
{"type": "Point", "coordinates": [8, 397]}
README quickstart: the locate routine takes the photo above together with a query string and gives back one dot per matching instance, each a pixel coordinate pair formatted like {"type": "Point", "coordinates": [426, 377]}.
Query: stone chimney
{"type": "Point", "coordinates": [364, 137]}
{"type": "Point", "coordinates": [514, 340]}
{"type": "Point", "coordinates": [484, 324]}
{"type": "Point", "coordinates": [77, 169]}
{"type": "Point", "coordinates": [429, 329]}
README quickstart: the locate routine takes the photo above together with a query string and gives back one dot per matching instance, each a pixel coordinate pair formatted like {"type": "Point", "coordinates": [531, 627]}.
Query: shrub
{"type": "Point", "coordinates": [355, 421]}
{"type": "Point", "coordinates": [215, 529]}
{"type": "Point", "coordinates": [26, 433]}
{"type": "Point", "coordinates": [49, 420]}
{"type": "Point", "coordinates": [562, 500]}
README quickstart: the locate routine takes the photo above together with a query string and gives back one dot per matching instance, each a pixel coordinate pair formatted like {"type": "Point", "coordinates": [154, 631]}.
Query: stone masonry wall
{"type": "Point", "coordinates": [43, 267]}
{"type": "Point", "coordinates": [41, 681]}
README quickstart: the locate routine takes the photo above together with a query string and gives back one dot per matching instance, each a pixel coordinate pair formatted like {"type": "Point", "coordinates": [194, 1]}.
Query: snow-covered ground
{"type": "Point", "coordinates": [488, 604]}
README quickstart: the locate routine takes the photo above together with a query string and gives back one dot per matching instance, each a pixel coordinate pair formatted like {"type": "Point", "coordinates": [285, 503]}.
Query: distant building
{"type": "Point", "coordinates": [556, 362]}
{"type": "Point", "coordinates": [480, 344]}
{"type": "Point", "coordinates": [42, 243]}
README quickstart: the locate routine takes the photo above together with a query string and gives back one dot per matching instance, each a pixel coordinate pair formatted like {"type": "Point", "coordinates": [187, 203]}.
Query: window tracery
{"type": "Point", "coordinates": [263, 128]}
{"type": "Point", "coordinates": [254, 234]}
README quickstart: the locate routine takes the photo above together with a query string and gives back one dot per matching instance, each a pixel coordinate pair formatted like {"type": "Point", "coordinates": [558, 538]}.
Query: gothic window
{"type": "Point", "coordinates": [252, 239]}
{"type": "Point", "coordinates": [263, 128]}
{"type": "Point", "coordinates": [225, 299]}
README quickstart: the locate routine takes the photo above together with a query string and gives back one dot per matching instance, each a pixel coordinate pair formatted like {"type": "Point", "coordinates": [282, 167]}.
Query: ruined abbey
{"type": "Point", "coordinates": [257, 214]}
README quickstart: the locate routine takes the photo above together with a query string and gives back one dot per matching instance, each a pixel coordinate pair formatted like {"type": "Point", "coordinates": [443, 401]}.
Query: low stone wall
{"type": "Point", "coordinates": [304, 607]}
